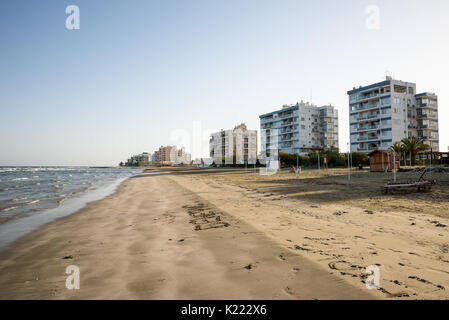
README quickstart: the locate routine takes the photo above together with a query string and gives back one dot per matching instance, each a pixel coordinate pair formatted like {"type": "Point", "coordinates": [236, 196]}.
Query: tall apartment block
{"type": "Point", "coordinates": [173, 155]}
{"type": "Point", "coordinates": [386, 112]}
{"type": "Point", "coordinates": [425, 121]}
{"type": "Point", "coordinates": [238, 145]}
{"type": "Point", "coordinates": [299, 129]}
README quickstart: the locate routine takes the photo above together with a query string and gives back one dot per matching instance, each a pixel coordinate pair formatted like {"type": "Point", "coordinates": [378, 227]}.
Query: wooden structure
{"type": "Point", "coordinates": [383, 161]}
{"type": "Point", "coordinates": [434, 158]}
{"type": "Point", "coordinates": [421, 184]}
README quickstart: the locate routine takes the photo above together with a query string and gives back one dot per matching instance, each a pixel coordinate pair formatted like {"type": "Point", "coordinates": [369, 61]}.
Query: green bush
{"type": "Point", "coordinates": [289, 160]}
{"type": "Point", "coordinates": [359, 158]}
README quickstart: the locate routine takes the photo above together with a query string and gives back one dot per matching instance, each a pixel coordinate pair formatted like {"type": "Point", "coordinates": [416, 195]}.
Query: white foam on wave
{"type": "Point", "coordinates": [9, 209]}
{"type": "Point", "coordinates": [19, 199]}
{"type": "Point", "coordinates": [14, 229]}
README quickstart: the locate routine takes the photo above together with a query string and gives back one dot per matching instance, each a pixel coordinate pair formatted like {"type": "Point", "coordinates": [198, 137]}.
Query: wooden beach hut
{"type": "Point", "coordinates": [383, 160]}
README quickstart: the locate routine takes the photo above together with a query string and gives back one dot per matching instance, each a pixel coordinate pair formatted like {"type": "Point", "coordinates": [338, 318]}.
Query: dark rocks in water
{"type": "Point", "coordinates": [68, 257]}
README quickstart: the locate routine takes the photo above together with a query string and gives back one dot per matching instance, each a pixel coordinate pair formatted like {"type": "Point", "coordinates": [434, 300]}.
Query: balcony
{"type": "Point", "coordinates": [373, 116]}
{"type": "Point", "coordinates": [362, 97]}
{"type": "Point", "coordinates": [428, 106]}
{"type": "Point", "coordinates": [368, 107]}
{"type": "Point", "coordinates": [286, 116]}
{"type": "Point", "coordinates": [287, 124]}
{"type": "Point", "coordinates": [368, 128]}
{"type": "Point", "coordinates": [370, 137]}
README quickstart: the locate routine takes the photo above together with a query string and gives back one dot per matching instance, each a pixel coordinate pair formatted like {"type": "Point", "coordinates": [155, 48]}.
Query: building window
{"type": "Point", "coordinates": [400, 89]}
{"type": "Point", "coordinates": [385, 101]}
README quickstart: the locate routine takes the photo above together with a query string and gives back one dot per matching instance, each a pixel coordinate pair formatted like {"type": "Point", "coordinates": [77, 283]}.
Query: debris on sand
{"type": "Point", "coordinates": [438, 224]}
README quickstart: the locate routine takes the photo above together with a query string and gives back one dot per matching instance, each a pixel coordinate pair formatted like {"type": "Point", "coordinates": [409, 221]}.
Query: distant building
{"type": "Point", "coordinates": [171, 155]}
{"type": "Point", "coordinates": [389, 111]}
{"type": "Point", "coordinates": [179, 156]}
{"type": "Point", "coordinates": [142, 159]}
{"type": "Point", "coordinates": [165, 153]}
{"type": "Point", "coordinates": [299, 129]}
{"type": "Point", "coordinates": [155, 157]}
{"type": "Point", "coordinates": [237, 146]}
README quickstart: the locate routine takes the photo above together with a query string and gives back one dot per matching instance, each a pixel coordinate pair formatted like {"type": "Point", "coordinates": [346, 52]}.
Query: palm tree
{"type": "Point", "coordinates": [398, 148]}
{"type": "Point", "coordinates": [413, 146]}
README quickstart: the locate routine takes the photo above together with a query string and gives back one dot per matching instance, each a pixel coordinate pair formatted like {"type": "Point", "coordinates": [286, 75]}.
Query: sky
{"type": "Point", "coordinates": [140, 74]}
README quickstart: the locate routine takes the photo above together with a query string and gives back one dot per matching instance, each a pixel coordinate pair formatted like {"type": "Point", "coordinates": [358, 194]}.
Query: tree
{"type": "Point", "coordinates": [359, 158]}
{"type": "Point", "coordinates": [397, 147]}
{"type": "Point", "coordinates": [413, 146]}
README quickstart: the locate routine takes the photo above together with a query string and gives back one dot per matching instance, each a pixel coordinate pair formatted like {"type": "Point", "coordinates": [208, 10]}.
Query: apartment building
{"type": "Point", "coordinates": [180, 156]}
{"type": "Point", "coordinates": [426, 120]}
{"type": "Point", "coordinates": [386, 112]}
{"type": "Point", "coordinates": [172, 155]}
{"type": "Point", "coordinates": [299, 129]}
{"type": "Point", "coordinates": [238, 146]}
{"type": "Point", "coordinates": [155, 157]}
{"type": "Point", "coordinates": [166, 153]}
{"type": "Point", "coordinates": [139, 159]}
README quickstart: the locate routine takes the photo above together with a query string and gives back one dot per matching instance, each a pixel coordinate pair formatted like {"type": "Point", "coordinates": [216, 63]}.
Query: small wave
{"type": "Point", "coordinates": [32, 202]}
{"type": "Point", "coordinates": [9, 209]}
{"type": "Point", "coordinates": [19, 199]}
{"type": "Point", "coordinates": [19, 179]}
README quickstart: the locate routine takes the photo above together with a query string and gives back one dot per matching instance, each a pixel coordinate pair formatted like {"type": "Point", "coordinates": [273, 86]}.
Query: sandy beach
{"type": "Point", "coordinates": [231, 234]}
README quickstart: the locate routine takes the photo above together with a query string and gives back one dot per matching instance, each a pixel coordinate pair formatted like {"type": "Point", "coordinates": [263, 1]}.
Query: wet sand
{"type": "Point", "coordinates": [165, 235]}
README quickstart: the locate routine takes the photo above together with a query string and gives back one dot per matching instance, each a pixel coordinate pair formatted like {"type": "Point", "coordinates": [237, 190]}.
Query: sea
{"type": "Point", "coordinates": [33, 196]}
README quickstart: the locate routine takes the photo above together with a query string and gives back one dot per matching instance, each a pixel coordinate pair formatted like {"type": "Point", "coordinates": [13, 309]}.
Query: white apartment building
{"type": "Point", "coordinates": [179, 156]}
{"type": "Point", "coordinates": [299, 129]}
{"type": "Point", "coordinates": [386, 112]}
{"type": "Point", "coordinates": [237, 146]}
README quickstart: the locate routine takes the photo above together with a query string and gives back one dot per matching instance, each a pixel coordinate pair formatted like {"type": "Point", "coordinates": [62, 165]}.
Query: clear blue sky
{"type": "Point", "coordinates": [138, 70]}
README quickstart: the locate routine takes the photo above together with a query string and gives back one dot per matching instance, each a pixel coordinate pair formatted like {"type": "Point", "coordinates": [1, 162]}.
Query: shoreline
{"type": "Point", "coordinates": [16, 228]}
{"type": "Point", "coordinates": [150, 240]}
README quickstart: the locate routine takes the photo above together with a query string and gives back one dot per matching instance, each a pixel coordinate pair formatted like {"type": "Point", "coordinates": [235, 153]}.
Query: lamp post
{"type": "Point", "coordinates": [349, 164]}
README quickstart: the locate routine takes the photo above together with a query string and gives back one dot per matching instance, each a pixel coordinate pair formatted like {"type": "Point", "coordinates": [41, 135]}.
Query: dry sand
{"type": "Point", "coordinates": [343, 226]}
{"type": "Point", "coordinates": [178, 235]}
